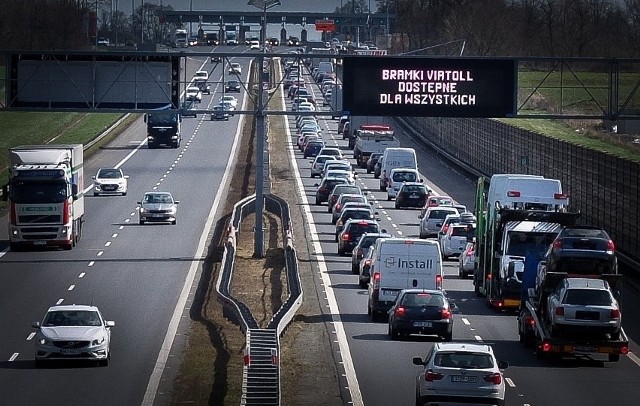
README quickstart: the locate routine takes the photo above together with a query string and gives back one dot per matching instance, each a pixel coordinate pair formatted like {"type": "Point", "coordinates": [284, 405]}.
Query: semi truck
{"type": "Point", "coordinates": [370, 139]}
{"type": "Point", "coordinates": [163, 128]}
{"type": "Point", "coordinates": [518, 215]}
{"type": "Point", "coordinates": [45, 195]}
{"type": "Point", "coordinates": [180, 38]}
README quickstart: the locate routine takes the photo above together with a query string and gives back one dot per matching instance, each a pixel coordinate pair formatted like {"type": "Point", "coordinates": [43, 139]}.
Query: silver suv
{"type": "Point", "coordinates": [431, 222]}
{"type": "Point", "coordinates": [460, 373]}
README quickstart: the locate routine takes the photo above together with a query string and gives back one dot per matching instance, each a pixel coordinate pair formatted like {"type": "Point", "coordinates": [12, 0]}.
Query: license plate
{"type": "Point", "coordinates": [39, 242]}
{"type": "Point", "coordinates": [157, 215]}
{"type": "Point", "coordinates": [413, 196]}
{"type": "Point", "coordinates": [511, 303]}
{"type": "Point", "coordinates": [422, 324]}
{"type": "Point", "coordinates": [389, 292]}
{"type": "Point", "coordinates": [70, 351]}
{"type": "Point", "coordinates": [586, 348]}
{"type": "Point", "coordinates": [461, 378]}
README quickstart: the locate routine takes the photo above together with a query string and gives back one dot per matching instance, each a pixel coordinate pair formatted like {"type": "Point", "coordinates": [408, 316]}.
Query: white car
{"type": "Point", "coordinates": [158, 207]}
{"type": "Point", "coordinates": [460, 373]}
{"type": "Point", "coordinates": [108, 181]}
{"type": "Point", "coordinates": [73, 332]}
{"type": "Point", "coordinates": [235, 69]}
{"type": "Point", "coordinates": [454, 241]}
{"type": "Point", "coordinates": [231, 100]}
{"type": "Point", "coordinates": [255, 44]}
{"type": "Point", "coordinates": [467, 260]}
{"type": "Point", "coordinates": [193, 93]}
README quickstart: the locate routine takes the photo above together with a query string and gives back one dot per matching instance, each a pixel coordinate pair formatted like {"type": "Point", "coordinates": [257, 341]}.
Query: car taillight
{"type": "Point", "coordinates": [376, 280]}
{"type": "Point", "coordinates": [445, 228]}
{"type": "Point", "coordinates": [560, 196]}
{"type": "Point", "coordinates": [445, 313]}
{"type": "Point", "coordinates": [560, 311]}
{"type": "Point", "coordinates": [431, 376]}
{"type": "Point", "coordinates": [557, 244]}
{"type": "Point", "coordinates": [367, 262]}
{"type": "Point", "coordinates": [438, 281]}
{"type": "Point", "coordinates": [615, 314]}
{"type": "Point", "coordinates": [323, 190]}
{"type": "Point", "coordinates": [471, 252]}
{"type": "Point", "coordinates": [359, 253]}
{"type": "Point", "coordinates": [400, 311]}
{"type": "Point", "coordinates": [611, 246]}
{"type": "Point", "coordinates": [495, 378]}
{"type": "Point", "coordinates": [345, 237]}
{"type": "Point", "coordinates": [337, 207]}
{"type": "Point", "coordinates": [513, 193]}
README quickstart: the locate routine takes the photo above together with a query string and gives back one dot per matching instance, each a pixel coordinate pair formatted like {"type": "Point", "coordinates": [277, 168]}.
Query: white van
{"type": "Point", "coordinates": [401, 263]}
{"type": "Point", "coordinates": [396, 158]}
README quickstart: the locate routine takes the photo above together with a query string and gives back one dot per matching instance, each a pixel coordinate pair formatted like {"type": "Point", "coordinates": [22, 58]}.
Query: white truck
{"type": "Point", "coordinates": [401, 263]}
{"type": "Point", "coordinates": [46, 197]}
{"type": "Point", "coordinates": [396, 157]}
{"type": "Point", "coordinates": [315, 62]}
{"type": "Point", "coordinates": [370, 140]}
{"type": "Point", "coordinates": [518, 215]}
{"type": "Point", "coordinates": [180, 38]}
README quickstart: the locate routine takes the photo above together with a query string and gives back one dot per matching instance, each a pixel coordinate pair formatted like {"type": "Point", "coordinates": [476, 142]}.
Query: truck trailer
{"type": "Point", "coordinates": [45, 194]}
{"type": "Point", "coordinates": [370, 140]}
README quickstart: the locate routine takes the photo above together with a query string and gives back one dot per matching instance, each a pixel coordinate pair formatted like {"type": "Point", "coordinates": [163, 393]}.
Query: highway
{"type": "Point", "coordinates": [139, 276]}
{"type": "Point", "coordinates": [383, 369]}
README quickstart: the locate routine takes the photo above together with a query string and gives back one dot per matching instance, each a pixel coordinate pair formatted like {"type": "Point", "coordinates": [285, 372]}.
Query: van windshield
{"type": "Point", "coordinates": [404, 177]}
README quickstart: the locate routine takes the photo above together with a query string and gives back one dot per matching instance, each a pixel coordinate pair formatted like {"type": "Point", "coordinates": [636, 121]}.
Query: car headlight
{"type": "Point", "coordinates": [172, 210]}
{"type": "Point", "coordinates": [141, 209]}
{"type": "Point", "coordinates": [98, 341]}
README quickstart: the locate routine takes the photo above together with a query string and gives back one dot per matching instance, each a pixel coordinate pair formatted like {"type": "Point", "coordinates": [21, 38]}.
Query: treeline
{"type": "Point", "coordinates": [540, 28]}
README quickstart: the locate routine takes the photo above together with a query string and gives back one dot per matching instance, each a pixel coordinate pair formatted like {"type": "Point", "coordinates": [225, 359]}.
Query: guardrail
{"type": "Point", "coordinates": [261, 383]}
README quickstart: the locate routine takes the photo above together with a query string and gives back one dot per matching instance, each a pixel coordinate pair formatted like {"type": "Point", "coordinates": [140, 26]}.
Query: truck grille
{"type": "Point", "coordinates": [40, 219]}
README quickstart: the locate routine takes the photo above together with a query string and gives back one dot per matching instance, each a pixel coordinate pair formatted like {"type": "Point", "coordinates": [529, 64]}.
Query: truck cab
{"type": "Point", "coordinates": [163, 128]}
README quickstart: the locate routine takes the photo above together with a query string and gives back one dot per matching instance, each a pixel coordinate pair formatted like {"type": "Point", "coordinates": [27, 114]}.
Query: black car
{"type": "Point", "coordinates": [372, 161]}
{"type": "Point", "coordinates": [411, 194]}
{"type": "Point", "coordinates": [352, 231]}
{"type": "Point", "coordinates": [274, 42]}
{"type": "Point", "coordinates": [588, 249]}
{"type": "Point", "coordinates": [312, 148]}
{"type": "Point", "coordinates": [365, 241]}
{"type": "Point", "coordinates": [232, 86]}
{"type": "Point", "coordinates": [341, 189]}
{"type": "Point", "coordinates": [377, 169]}
{"type": "Point", "coordinates": [421, 311]}
{"type": "Point", "coordinates": [352, 213]}
{"type": "Point", "coordinates": [326, 186]}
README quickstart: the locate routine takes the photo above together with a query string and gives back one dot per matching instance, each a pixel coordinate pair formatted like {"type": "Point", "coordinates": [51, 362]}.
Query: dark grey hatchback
{"type": "Point", "coordinates": [421, 311]}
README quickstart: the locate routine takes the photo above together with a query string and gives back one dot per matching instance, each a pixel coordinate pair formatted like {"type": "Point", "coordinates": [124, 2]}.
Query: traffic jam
{"type": "Point", "coordinates": [406, 243]}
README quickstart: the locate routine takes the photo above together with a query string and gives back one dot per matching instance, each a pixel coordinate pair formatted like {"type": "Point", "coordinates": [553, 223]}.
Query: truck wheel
{"type": "Point", "coordinates": [614, 357]}
{"type": "Point", "coordinates": [141, 222]}
{"type": "Point", "coordinates": [68, 247]}
{"type": "Point", "coordinates": [15, 247]}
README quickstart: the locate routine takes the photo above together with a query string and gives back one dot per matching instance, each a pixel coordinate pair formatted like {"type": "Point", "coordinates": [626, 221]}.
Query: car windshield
{"type": "Point", "coordinates": [439, 214]}
{"type": "Point", "coordinates": [415, 190]}
{"type": "Point", "coordinates": [422, 299]}
{"type": "Point", "coordinates": [38, 192]}
{"type": "Point", "coordinates": [157, 199]}
{"type": "Point", "coordinates": [463, 360]}
{"type": "Point", "coordinates": [404, 177]}
{"type": "Point", "coordinates": [108, 173]}
{"type": "Point", "coordinates": [345, 189]}
{"type": "Point", "coordinates": [356, 214]}
{"type": "Point", "coordinates": [72, 318]}
{"type": "Point", "coordinates": [359, 228]}
{"type": "Point", "coordinates": [584, 297]}
{"type": "Point", "coordinates": [521, 243]}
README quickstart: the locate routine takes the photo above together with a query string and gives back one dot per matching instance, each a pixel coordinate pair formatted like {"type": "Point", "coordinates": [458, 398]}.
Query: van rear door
{"type": "Point", "coordinates": [425, 271]}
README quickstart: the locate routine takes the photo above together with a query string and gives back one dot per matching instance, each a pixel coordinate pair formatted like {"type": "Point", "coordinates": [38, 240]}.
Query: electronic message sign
{"type": "Point", "coordinates": [428, 87]}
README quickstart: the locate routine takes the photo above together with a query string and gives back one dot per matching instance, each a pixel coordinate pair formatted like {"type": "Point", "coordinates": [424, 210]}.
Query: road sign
{"type": "Point", "coordinates": [429, 87]}
{"type": "Point", "coordinates": [325, 25]}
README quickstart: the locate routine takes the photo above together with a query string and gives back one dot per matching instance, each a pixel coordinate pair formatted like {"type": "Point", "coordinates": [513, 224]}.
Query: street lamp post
{"type": "Point", "coordinates": [260, 136]}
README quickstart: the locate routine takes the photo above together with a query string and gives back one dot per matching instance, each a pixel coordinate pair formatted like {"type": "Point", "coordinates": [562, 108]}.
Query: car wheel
{"type": "Point", "coordinates": [354, 269]}
{"type": "Point", "coordinates": [423, 236]}
{"type": "Point", "coordinates": [15, 247]}
{"type": "Point", "coordinates": [124, 193]}
{"type": "Point", "coordinates": [329, 209]}
{"type": "Point", "coordinates": [173, 223]}
{"type": "Point", "coordinates": [362, 284]}
{"type": "Point", "coordinates": [375, 176]}
{"type": "Point", "coordinates": [614, 357]}
{"type": "Point", "coordinates": [141, 222]}
{"type": "Point", "coordinates": [312, 176]}
{"type": "Point", "coordinates": [40, 363]}
{"type": "Point", "coordinates": [104, 362]}
{"type": "Point", "coordinates": [393, 333]}
{"type": "Point", "coordinates": [368, 309]}
{"type": "Point", "coordinates": [448, 337]}
{"type": "Point", "coordinates": [317, 202]}
{"type": "Point", "coordinates": [389, 198]}
{"type": "Point", "coordinates": [96, 194]}
{"type": "Point", "coordinates": [460, 273]}
{"type": "Point", "coordinates": [336, 238]}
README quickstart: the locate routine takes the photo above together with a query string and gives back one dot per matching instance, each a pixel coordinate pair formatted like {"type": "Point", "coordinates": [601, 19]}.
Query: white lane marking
{"type": "Point", "coordinates": [510, 382]}
{"type": "Point", "coordinates": [465, 321]}
{"type": "Point", "coordinates": [163, 355]}
{"type": "Point", "coordinates": [343, 344]}
{"type": "Point", "coordinates": [394, 225]}
{"type": "Point", "coordinates": [14, 356]}
{"type": "Point", "coordinates": [71, 287]}
{"type": "Point", "coordinates": [82, 274]}
{"type": "Point", "coordinates": [91, 263]}
{"type": "Point", "coordinates": [478, 338]}
{"type": "Point", "coordinates": [115, 235]}
{"type": "Point", "coordinates": [2, 253]}
{"type": "Point", "coordinates": [100, 253]}
{"type": "Point", "coordinates": [108, 243]}
{"type": "Point", "coordinates": [59, 301]}
{"type": "Point", "coordinates": [633, 357]}
{"type": "Point", "coordinates": [122, 227]}
{"type": "Point", "coordinates": [30, 336]}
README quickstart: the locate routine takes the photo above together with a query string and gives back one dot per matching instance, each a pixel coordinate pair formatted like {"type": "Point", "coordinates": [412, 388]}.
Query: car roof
{"type": "Point", "coordinates": [370, 221]}
{"type": "Point", "coordinates": [463, 347]}
{"type": "Point", "coordinates": [72, 307]}
{"type": "Point", "coordinates": [430, 291]}
{"type": "Point", "coordinates": [158, 193]}
{"type": "Point", "coordinates": [586, 283]}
